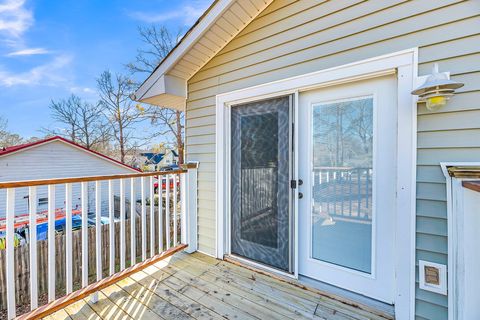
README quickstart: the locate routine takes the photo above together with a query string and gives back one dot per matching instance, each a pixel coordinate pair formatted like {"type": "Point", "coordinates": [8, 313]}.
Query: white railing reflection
{"type": "Point", "coordinates": [342, 192]}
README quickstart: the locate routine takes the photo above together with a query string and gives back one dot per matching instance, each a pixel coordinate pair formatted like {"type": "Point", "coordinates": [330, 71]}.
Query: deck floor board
{"type": "Point", "coordinates": [196, 286]}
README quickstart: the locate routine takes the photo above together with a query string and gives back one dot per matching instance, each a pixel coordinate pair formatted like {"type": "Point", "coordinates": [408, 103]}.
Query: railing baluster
{"type": "Point", "coordinates": [122, 224]}
{"type": "Point", "coordinates": [84, 201]}
{"type": "Point", "coordinates": [133, 255]}
{"type": "Point", "coordinates": [68, 238]}
{"type": "Point", "coordinates": [367, 187]}
{"type": "Point", "coordinates": [160, 214]}
{"type": "Point", "coordinates": [350, 193]}
{"type": "Point", "coordinates": [51, 243]}
{"type": "Point", "coordinates": [111, 216]}
{"type": "Point", "coordinates": [152, 217]}
{"type": "Point", "coordinates": [10, 247]}
{"type": "Point", "coordinates": [98, 233]}
{"type": "Point", "coordinates": [167, 211]}
{"type": "Point", "coordinates": [144, 221]}
{"type": "Point", "coordinates": [175, 206]}
{"type": "Point", "coordinates": [359, 193]}
{"type": "Point", "coordinates": [32, 209]}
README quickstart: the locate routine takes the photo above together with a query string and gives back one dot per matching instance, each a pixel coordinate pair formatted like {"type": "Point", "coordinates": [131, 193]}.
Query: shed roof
{"type": "Point", "coordinates": [21, 147]}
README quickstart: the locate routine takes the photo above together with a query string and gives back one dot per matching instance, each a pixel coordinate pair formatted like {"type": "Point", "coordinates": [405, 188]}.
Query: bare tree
{"type": "Point", "coordinates": [91, 126]}
{"type": "Point", "coordinates": [119, 109]}
{"type": "Point", "coordinates": [64, 112]}
{"type": "Point", "coordinates": [8, 139]}
{"type": "Point", "coordinates": [84, 121]}
{"type": "Point", "coordinates": [159, 41]}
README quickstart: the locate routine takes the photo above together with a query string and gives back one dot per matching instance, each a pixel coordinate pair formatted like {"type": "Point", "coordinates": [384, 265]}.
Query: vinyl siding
{"type": "Point", "coordinates": [295, 37]}
{"type": "Point", "coordinates": [57, 159]}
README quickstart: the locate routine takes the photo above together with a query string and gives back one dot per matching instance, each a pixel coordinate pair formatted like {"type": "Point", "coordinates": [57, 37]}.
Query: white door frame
{"type": "Point", "coordinates": [405, 64]}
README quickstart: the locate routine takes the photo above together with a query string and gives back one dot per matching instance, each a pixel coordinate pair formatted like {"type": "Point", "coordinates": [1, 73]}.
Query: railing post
{"type": "Point", "coordinates": [189, 221]}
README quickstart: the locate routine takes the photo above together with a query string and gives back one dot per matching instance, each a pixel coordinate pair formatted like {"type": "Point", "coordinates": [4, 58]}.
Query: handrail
{"type": "Point", "coordinates": [472, 185]}
{"type": "Point", "coordinates": [44, 182]}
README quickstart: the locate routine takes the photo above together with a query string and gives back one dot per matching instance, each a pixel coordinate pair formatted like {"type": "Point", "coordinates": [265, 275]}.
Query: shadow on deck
{"type": "Point", "coordinates": [197, 286]}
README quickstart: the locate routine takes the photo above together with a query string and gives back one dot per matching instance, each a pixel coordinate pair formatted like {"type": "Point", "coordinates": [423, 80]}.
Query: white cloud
{"type": "Point", "coordinates": [28, 52]}
{"type": "Point", "coordinates": [187, 13]}
{"type": "Point", "coordinates": [15, 19]}
{"type": "Point", "coordinates": [86, 90]}
{"type": "Point", "coordinates": [49, 74]}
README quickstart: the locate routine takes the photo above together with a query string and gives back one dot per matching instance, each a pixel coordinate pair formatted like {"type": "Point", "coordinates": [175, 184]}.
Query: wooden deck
{"type": "Point", "coordinates": [200, 287]}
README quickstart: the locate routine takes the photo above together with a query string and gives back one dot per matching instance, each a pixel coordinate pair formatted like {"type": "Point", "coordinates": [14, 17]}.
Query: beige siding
{"type": "Point", "coordinates": [295, 37]}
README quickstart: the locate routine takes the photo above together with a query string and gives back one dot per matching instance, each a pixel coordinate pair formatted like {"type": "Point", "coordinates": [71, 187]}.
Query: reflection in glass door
{"type": "Point", "coordinates": [260, 175]}
{"type": "Point", "coordinates": [342, 150]}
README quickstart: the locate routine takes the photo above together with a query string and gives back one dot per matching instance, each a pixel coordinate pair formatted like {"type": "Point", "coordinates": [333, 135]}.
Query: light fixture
{"type": "Point", "coordinates": [437, 89]}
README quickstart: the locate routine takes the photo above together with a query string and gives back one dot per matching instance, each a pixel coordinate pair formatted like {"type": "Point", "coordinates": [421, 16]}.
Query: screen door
{"type": "Point", "coordinates": [260, 176]}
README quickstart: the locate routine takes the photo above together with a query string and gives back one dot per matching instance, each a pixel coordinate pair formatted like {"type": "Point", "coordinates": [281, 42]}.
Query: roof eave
{"type": "Point", "coordinates": [144, 92]}
{"type": "Point", "coordinates": [168, 91]}
{"type": "Point", "coordinates": [167, 85]}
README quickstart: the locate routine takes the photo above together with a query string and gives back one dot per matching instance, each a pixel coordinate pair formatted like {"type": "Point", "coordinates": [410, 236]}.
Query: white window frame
{"type": "Point", "coordinates": [405, 64]}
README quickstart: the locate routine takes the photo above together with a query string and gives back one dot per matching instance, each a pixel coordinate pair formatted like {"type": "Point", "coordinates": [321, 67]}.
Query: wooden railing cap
{"type": "Point", "coordinates": [43, 182]}
{"type": "Point", "coordinates": [189, 165]}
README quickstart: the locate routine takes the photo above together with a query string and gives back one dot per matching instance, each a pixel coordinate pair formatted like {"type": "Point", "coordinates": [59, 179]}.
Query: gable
{"type": "Point", "coordinates": [56, 159]}
{"type": "Point", "coordinates": [167, 85]}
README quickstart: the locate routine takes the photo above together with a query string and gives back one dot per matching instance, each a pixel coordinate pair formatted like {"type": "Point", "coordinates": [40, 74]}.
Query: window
{"type": "Point", "coordinates": [42, 201]}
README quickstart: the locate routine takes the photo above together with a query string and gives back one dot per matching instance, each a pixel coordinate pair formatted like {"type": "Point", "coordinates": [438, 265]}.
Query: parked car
{"type": "Point", "coordinates": [164, 183]}
{"type": "Point", "coordinates": [170, 168]}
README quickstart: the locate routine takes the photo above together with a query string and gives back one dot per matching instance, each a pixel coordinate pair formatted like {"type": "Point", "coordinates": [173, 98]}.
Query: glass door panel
{"type": "Point", "coordinates": [342, 151]}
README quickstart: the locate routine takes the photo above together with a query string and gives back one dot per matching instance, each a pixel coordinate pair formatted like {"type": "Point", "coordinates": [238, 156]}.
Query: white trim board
{"type": "Point", "coordinates": [453, 206]}
{"type": "Point", "coordinates": [405, 64]}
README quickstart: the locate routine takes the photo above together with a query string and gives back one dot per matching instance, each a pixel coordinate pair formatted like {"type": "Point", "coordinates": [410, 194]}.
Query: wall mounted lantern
{"type": "Point", "coordinates": [437, 89]}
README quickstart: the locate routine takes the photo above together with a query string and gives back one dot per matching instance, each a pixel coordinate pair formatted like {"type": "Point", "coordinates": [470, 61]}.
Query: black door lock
{"type": "Point", "coordinates": [293, 183]}
{"type": "Point", "coordinates": [300, 195]}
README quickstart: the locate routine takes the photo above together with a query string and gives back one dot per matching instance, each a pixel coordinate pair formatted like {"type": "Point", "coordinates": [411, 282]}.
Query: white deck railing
{"type": "Point", "coordinates": [173, 223]}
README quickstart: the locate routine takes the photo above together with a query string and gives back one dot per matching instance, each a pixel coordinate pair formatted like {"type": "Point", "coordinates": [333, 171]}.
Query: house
{"type": "Point", "coordinates": [317, 162]}
{"type": "Point", "coordinates": [156, 161]}
{"type": "Point", "coordinates": [170, 158]}
{"type": "Point", "coordinates": [53, 158]}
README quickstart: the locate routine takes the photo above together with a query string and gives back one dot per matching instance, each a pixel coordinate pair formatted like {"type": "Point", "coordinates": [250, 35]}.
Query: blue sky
{"type": "Point", "coordinates": [51, 49]}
